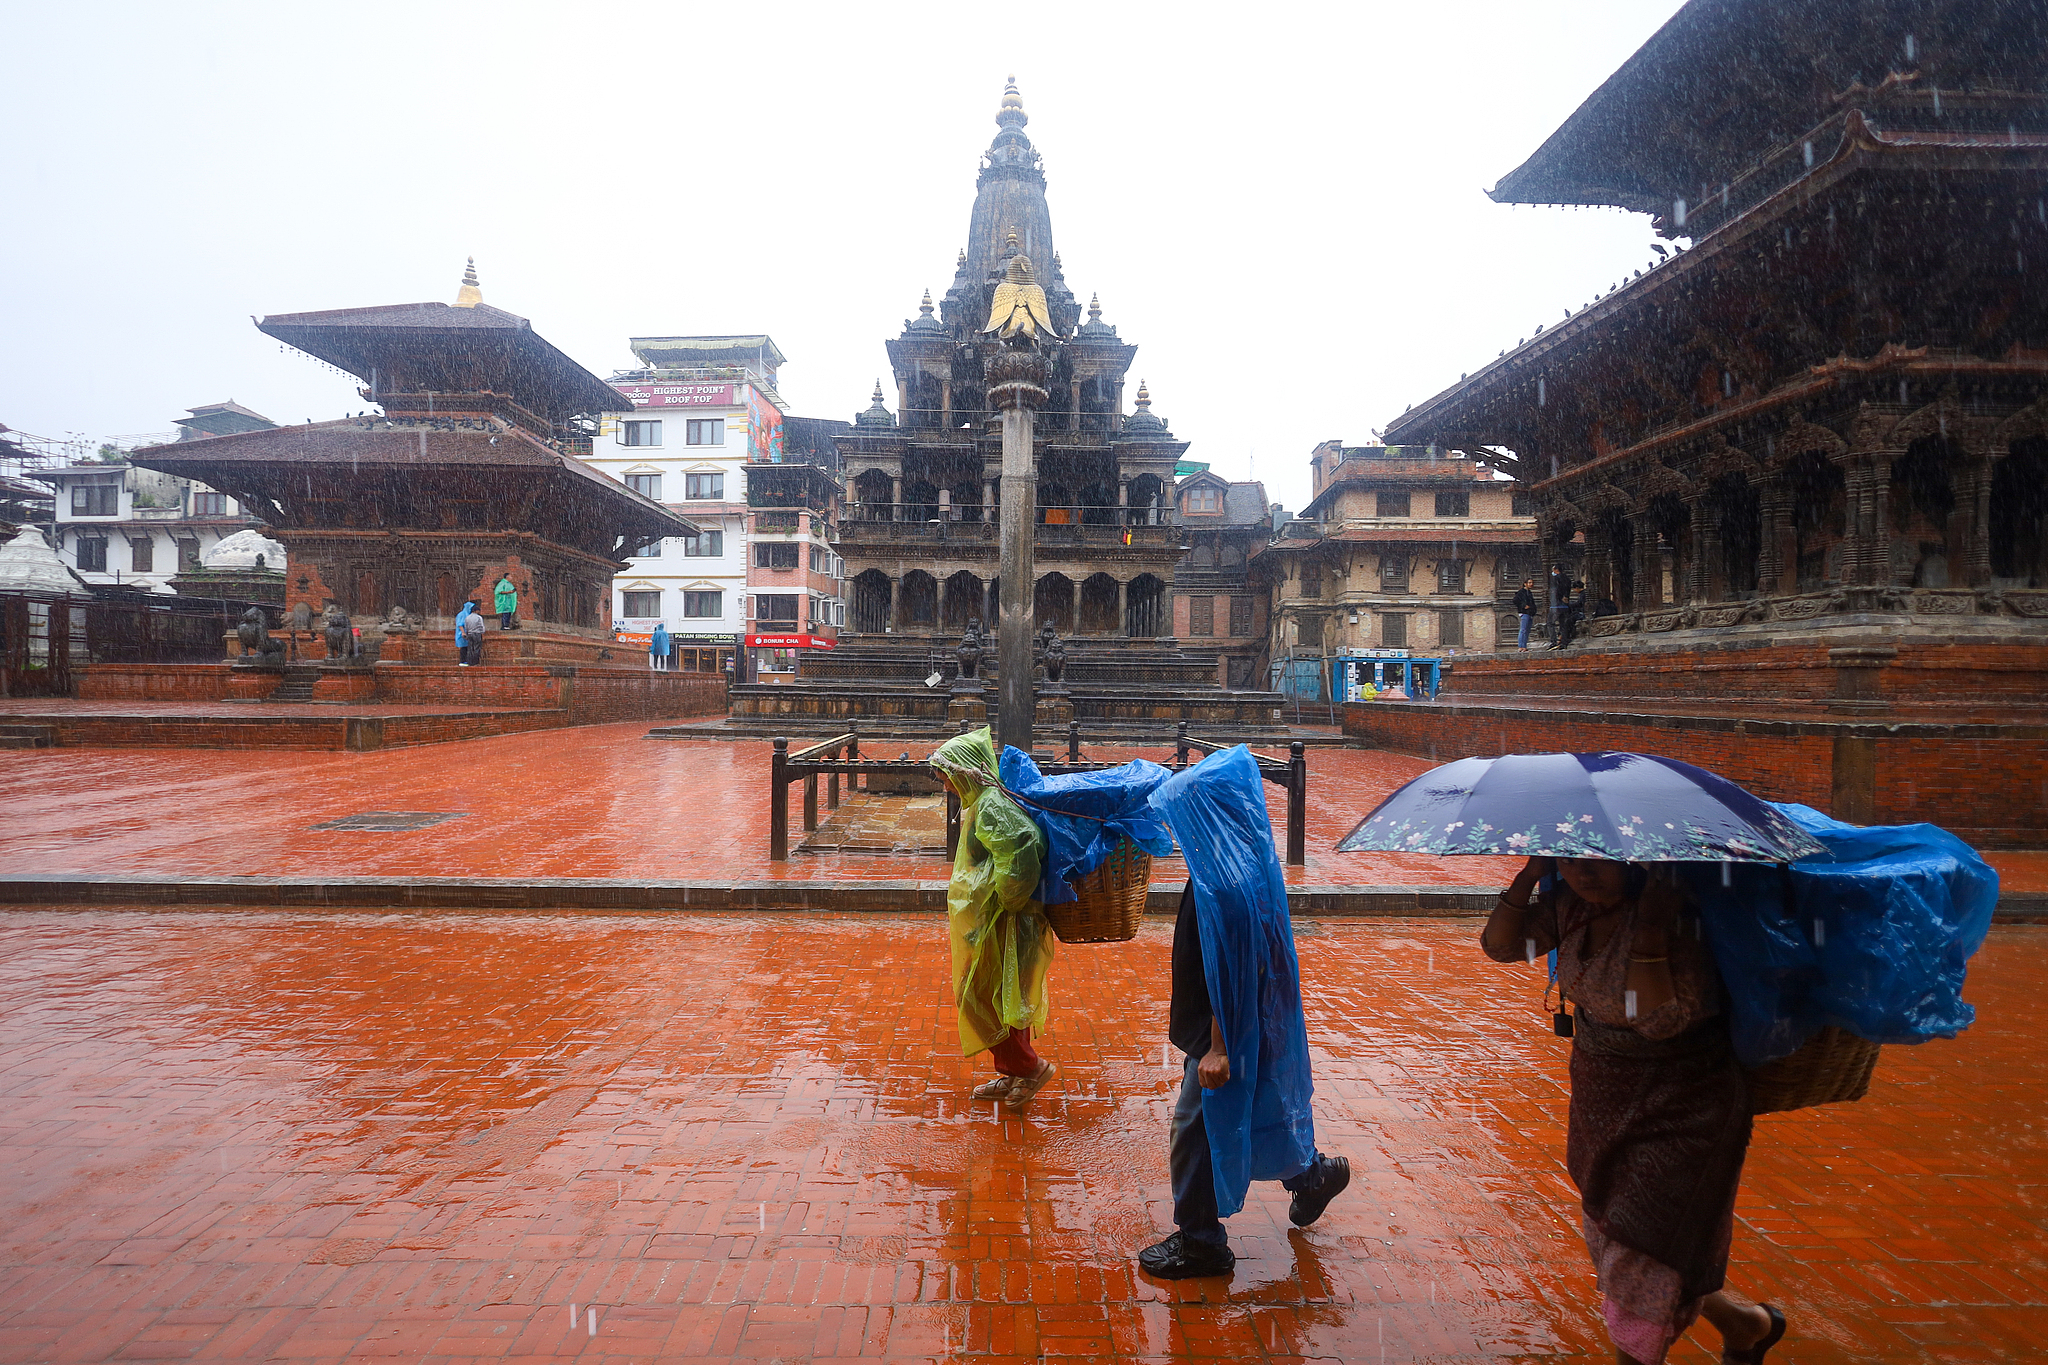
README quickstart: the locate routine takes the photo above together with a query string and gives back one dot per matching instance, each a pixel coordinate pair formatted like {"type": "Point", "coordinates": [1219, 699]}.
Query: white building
{"type": "Point", "coordinates": [703, 408]}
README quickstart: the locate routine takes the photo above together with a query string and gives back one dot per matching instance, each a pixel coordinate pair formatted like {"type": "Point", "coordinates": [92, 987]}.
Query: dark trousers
{"type": "Point", "coordinates": [505, 619]}
{"type": "Point", "coordinates": [473, 652]}
{"type": "Point", "coordinates": [1194, 1175]}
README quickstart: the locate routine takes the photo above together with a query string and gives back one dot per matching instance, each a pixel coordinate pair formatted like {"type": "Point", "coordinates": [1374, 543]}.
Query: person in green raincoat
{"type": "Point", "coordinates": [507, 593]}
{"type": "Point", "coordinates": [1002, 942]}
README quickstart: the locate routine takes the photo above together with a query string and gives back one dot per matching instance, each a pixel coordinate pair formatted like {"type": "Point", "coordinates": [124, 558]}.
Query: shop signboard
{"type": "Point", "coordinates": [798, 640]}
{"type": "Point", "coordinates": [678, 395]}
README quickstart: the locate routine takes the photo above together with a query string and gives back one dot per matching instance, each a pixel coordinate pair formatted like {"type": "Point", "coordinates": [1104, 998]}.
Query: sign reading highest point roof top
{"type": "Point", "coordinates": [679, 395]}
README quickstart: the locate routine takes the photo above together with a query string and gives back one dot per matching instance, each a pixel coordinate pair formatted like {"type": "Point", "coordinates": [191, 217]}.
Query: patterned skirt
{"type": "Point", "coordinates": [1655, 1142]}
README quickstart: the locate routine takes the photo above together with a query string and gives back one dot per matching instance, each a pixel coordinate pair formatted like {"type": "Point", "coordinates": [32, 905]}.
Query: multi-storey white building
{"type": "Point", "coordinates": [703, 408]}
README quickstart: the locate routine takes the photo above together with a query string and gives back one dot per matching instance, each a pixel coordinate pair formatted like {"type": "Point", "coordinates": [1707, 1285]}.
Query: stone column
{"type": "Point", "coordinates": [895, 591]}
{"type": "Point", "coordinates": [988, 500]}
{"type": "Point", "coordinates": [945, 504]}
{"type": "Point", "coordinates": [903, 403]}
{"type": "Point", "coordinates": [896, 499]}
{"type": "Point", "coordinates": [1123, 619]}
{"type": "Point", "coordinates": [1123, 501]}
{"type": "Point", "coordinates": [946, 403]}
{"type": "Point", "coordinates": [1017, 389]}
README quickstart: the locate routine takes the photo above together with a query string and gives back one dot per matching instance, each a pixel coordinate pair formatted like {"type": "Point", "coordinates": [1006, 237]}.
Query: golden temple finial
{"type": "Point", "coordinates": [1010, 245]}
{"type": "Point", "coordinates": [471, 294]}
{"type": "Point", "coordinates": [1019, 303]}
{"type": "Point", "coordinates": [924, 307]}
{"type": "Point", "coordinates": [878, 391]}
{"type": "Point", "coordinates": [1144, 396]}
{"type": "Point", "coordinates": [1012, 114]}
{"type": "Point", "coordinates": [963, 259]}
{"type": "Point", "coordinates": [1095, 307]}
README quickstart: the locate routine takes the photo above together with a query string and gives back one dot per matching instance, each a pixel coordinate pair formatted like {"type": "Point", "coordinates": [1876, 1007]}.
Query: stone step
{"type": "Point", "coordinates": [28, 736]}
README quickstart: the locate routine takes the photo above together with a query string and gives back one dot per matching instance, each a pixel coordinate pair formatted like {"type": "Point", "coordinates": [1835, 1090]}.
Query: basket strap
{"type": "Point", "coordinates": [1053, 810]}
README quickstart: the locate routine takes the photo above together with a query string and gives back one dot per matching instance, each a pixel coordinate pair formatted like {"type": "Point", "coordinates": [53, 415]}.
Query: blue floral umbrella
{"type": "Point", "coordinates": [1629, 807]}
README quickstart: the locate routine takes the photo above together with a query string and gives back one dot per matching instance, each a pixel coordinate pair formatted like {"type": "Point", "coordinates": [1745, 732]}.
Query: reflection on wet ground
{"type": "Point", "coordinates": [247, 1136]}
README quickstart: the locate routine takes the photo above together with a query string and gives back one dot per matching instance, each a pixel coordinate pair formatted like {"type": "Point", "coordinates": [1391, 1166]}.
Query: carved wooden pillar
{"type": "Point", "coordinates": [1866, 552]}
{"type": "Point", "coordinates": [1599, 551]}
{"type": "Point", "coordinates": [1646, 567]}
{"type": "Point", "coordinates": [1705, 546]}
{"type": "Point", "coordinates": [1778, 564]}
{"type": "Point", "coordinates": [1977, 545]}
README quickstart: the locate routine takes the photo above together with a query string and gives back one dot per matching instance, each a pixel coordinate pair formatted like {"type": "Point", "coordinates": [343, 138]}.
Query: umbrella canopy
{"type": "Point", "coordinates": [1628, 807]}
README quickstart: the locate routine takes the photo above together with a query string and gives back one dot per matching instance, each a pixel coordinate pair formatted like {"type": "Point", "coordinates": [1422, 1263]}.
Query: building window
{"type": "Point", "coordinates": [1203, 500]}
{"type": "Point", "coordinates": [651, 550]}
{"type": "Point", "coordinates": [1394, 573]}
{"type": "Point", "coordinates": [821, 562]}
{"type": "Point", "coordinates": [705, 431]}
{"type": "Point", "coordinates": [1240, 616]}
{"type": "Point", "coordinates": [1450, 575]}
{"type": "Point", "coordinates": [188, 556]}
{"type": "Point", "coordinates": [778, 521]}
{"type": "Point", "coordinates": [1393, 505]}
{"type": "Point", "coordinates": [776, 554]}
{"type": "Point", "coordinates": [703, 485]}
{"type": "Point", "coordinates": [1311, 580]}
{"type": "Point", "coordinates": [1450, 627]}
{"type": "Point", "coordinates": [643, 603]}
{"type": "Point", "coordinates": [643, 433]}
{"type": "Point", "coordinates": [1394, 631]}
{"type": "Point", "coordinates": [703, 604]}
{"type": "Point", "coordinates": [101, 498]}
{"type": "Point", "coordinates": [209, 504]}
{"type": "Point", "coordinates": [1201, 616]}
{"type": "Point", "coordinates": [704, 545]}
{"type": "Point", "coordinates": [92, 556]}
{"type": "Point", "coordinates": [646, 485]}
{"type": "Point", "coordinates": [1308, 630]}
{"type": "Point", "coordinates": [775, 606]}
{"type": "Point", "coordinates": [1458, 504]}
{"type": "Point", "coordinates": [1521, 504]}
{"type": "Point", "coordinates": [142, 555]}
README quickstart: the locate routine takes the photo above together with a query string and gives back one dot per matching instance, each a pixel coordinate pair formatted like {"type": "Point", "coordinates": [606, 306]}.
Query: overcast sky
{"type": "Point", "coordinates": [1281, 205]}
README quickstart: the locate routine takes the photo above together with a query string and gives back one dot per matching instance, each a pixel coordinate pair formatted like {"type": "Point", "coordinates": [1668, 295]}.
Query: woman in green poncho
{"type": "Point", "coordinates": [1002, 944]}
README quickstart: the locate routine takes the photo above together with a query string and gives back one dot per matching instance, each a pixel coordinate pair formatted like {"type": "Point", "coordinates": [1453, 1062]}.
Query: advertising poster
{"type": "Point", "coordinates": [764, 428]}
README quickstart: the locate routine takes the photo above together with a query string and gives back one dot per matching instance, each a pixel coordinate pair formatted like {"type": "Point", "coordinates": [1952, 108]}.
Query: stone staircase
{"type": "Point", "coordinates": [28, 736]}
{"type": "Point", "coordinates": [298, 683]}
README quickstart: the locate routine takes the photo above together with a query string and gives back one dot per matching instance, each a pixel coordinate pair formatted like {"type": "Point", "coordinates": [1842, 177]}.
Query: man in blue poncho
{"type": "Point", "coordinates": [1244, 1108]}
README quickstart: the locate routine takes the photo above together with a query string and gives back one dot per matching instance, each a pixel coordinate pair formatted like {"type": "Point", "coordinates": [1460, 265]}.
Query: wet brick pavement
{"type": "Point", "coordinates": [596, 801]}
{"type": "Point", "coordinates": [312, 1138]}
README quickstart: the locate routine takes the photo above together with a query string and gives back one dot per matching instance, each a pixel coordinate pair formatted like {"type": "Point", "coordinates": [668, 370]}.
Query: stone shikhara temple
{"type": "Point", "coordinates": [471, 472]}
{"type": "Point", "coordinates": [919, 531]}
{"type": "Point", "coordinates": [1806, 458]}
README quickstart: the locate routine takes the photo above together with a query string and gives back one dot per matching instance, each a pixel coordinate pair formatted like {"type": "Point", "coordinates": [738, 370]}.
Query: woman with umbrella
{"type": "Point", "coordinates": [1660, 1117]}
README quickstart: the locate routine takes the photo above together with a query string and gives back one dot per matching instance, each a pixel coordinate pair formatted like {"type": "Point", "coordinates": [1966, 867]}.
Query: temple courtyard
{"type": "Point", "coordinates": [473, 1127]}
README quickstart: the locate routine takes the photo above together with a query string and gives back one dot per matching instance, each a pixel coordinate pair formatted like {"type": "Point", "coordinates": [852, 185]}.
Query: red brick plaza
{"type": "Point", "coordinates": [262, 1134]}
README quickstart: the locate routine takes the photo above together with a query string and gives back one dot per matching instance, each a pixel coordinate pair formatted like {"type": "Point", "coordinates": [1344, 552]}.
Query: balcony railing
{"type": "Point", "coordinates": [981, 532]}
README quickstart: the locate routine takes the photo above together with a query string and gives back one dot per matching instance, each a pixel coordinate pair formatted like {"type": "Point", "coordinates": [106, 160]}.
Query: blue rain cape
{"type": "Point", "coordinates": [1261, 1124]}
{"type": "Point", "coordinates": [1084, 815]}
{"type": "Point", "coordinates": [1873, 937]}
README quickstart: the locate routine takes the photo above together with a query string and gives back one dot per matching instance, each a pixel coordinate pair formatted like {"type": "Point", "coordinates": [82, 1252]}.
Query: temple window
{"type": "Point", "coordinates": [1450, 627]}
{"type": "Point", "coordinates": [1240, 616]}
{"type": "Point", "coordinates": [1394, 573]}
{"type": "Point", "coordinates": [643, 604]}
{"type": "Point", "coordinates": [1394, 630]}
{"type": "Point", "coordinates": [646, 485]}
{"type": "Point", "coordinates": [643, 433]}
{"type": "Point", "coordinates": [703, 604]}
{"type": "Point", "coordinates": [703, 485]}
{"type": "Point", "coordinates": [1392, 505]}
{"type": "Point", "coordinates": [1521, 504]}
{"type": "Point", "coordinates": [1201, 616]}
{"type": "Point", "coordinates": [704, 545]}
{"type": "Point", "coordinates": [142, 555]}
{"type": "Point", "coordinates": [1311, 580]}
{"type": "Point", "coordinates": [1456, 504]}
{"type": "Point", "coordinates": [1450, 575]}
{"type": "Point", "coordinates": [92, 556]}
{"type": "Point", "coordinates": [705, 431]}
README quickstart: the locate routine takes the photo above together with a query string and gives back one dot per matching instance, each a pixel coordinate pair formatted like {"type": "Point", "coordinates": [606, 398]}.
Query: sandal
{"type": "Point", "coordinates": [1022, 1088]}
{"type": "Point", "coordinates": [992, 1090]}
{"type": "Point", "coordinates": [1755, 1354]}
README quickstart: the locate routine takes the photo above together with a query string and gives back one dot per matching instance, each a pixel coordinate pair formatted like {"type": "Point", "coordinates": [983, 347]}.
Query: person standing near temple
{"type": "Point", "coordinates": [507, 602]}
{"type": "Point", "coordinates": [469, 633]}
{"type": "Point", "coordinates": [658, 647]}
{"type": "Point", "coordinates": [1525, 608]}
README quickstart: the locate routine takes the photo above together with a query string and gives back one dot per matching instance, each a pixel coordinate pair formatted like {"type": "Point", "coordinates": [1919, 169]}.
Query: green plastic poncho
{"type": "Point", "coordinates": [1002, 943]}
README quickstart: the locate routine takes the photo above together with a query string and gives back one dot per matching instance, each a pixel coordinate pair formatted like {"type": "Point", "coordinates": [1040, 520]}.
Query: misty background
{"type": "Point", "coordinates": [1282, 206]}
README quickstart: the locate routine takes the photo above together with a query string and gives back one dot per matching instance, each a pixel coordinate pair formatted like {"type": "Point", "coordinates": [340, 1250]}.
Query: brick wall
{"type": "Point", "coordinates": [153, 682]}
{"type": "Point", "coordinates": [1987, 783]}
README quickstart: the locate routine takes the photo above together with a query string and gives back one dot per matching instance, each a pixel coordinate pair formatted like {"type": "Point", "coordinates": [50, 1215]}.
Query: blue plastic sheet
{"type": "Point", "coordinates": [1873, 937]}
{"type": "Point", "coordinates": [1083, 815]}
{"type": "Point", "coordinates": [1261, 1124]}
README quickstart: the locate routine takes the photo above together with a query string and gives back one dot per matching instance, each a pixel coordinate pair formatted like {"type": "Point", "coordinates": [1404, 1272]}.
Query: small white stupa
{"type": "Point", "coordinates": [242, 550]}
{"type": "Point", "coordinates": [28, 564]}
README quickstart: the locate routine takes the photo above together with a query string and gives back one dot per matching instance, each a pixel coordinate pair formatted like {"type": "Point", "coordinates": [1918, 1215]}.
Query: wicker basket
{"type": "Point", "coordinates": [1832, 1067]}
{"type": "Point", "coordinates": [1112, 899]}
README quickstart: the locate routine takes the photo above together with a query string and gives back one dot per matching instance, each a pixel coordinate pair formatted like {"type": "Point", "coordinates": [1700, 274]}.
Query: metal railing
{"type": "Point", "coordinates": [840, 756]}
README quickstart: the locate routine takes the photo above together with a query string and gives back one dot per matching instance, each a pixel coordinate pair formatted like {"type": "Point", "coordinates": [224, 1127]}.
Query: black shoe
{"type": "Point", "coordinates": [1333, 1173]}
{"type": "Point", "coordinates": [1180, 1257]}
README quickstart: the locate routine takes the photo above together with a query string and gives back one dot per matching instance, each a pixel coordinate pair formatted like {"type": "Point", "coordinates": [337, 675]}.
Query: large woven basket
{"type": "Point", "coordinates": [1112, 899]}
{"type": "Point", "coordinates": [1832, 1067]}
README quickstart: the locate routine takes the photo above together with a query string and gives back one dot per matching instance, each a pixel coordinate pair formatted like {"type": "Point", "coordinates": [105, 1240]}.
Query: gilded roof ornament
{"type": "Point", "coordinates": [1019, 304]}
{"type": "Point", "coordinates": [1012, 114]}
{"type": "Point", "coordinates": [1095, 307]}
{"type": "Point", "coordinates": [923, 307]}
{"type": "Point", "coordinates": [471, 294]}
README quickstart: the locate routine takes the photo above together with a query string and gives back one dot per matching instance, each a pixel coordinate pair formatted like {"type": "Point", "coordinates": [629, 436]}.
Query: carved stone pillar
{"type": "Point", "coordinates": [895, 596]}
{"type": "Point", "coordinates": [1123, 620]}
{"type": "Point", "coordinates": [946, 403]}
{"type": "Point", "coordinates": [1977, 542]}
{"type": "Point", "coordinates": [1646, 566]}
{"type": "Point", "coordinates": [1705, 536]}
{"type": "Point", "coordinates": [896, 499]}
{"type": "Point", "coordinates": [1018, 391]}
{"type": "Point", "coordinates": [988, 500]}
{"type": "Point", "coordinates": [1599, 579]}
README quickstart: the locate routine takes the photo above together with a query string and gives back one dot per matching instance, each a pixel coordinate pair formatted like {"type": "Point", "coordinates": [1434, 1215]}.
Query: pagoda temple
{"type": "Point", "coordinates": [470, 472]}
{"type": "Point", "coordinates": [1805, 450]}
{"type": "Point", "coordinates": [919, 531]}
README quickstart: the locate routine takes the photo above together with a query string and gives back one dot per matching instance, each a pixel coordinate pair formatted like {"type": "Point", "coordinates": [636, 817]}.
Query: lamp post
{"type": "Point", "coordinates": [1017, 375]}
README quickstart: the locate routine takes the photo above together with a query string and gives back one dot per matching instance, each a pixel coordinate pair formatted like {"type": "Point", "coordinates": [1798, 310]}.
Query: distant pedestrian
{"type": "Point", "coordinates": [507, 603]}
{"type": "Point", "coordinates": [658, 648]}
{"type": "Point", "coordinates": [1525, 608]}
{"type": "Point", "coordinates": [1570, 613]}
{"type": "Point", "coordinates": [469, 634]}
